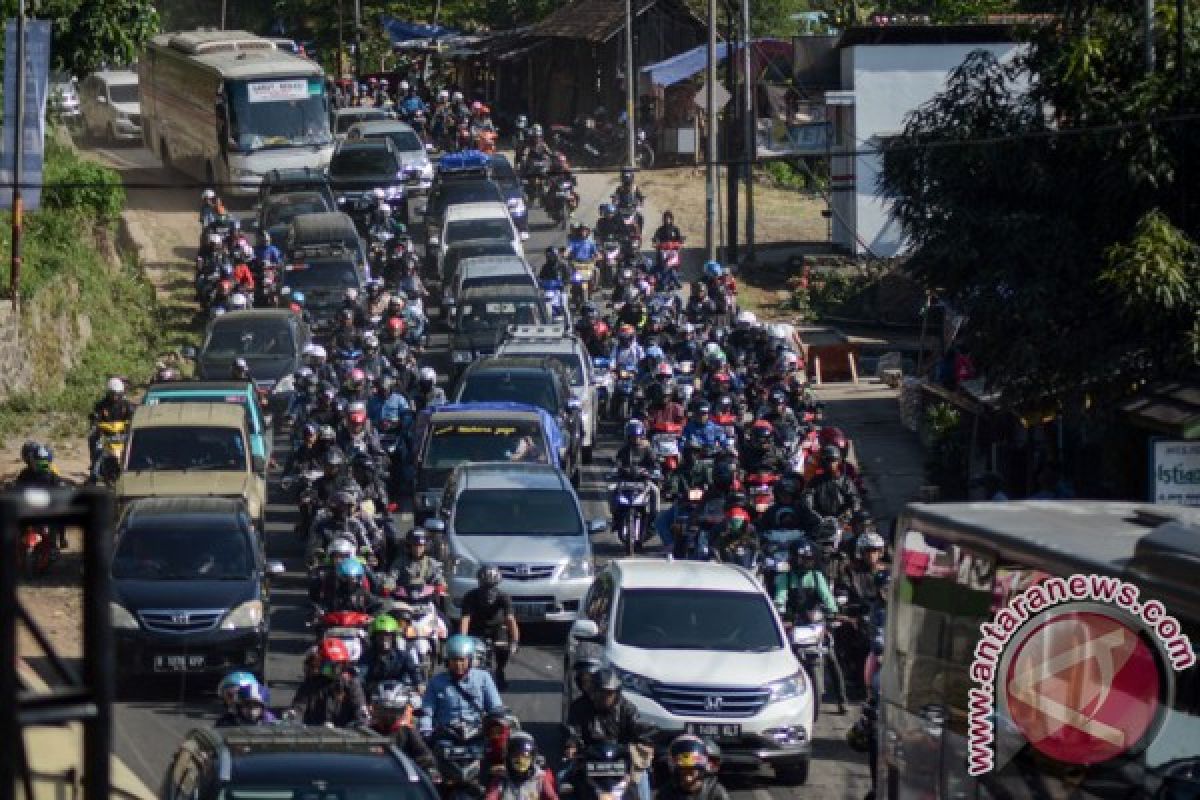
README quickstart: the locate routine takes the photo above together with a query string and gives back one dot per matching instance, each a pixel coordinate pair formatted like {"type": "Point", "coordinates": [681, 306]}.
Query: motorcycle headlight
{"type": "Point", "coordinates": [578, 568]}
{"type": "Point", "coordinates": [632, 682]}
{"type": "Point", "coordinates": [121, 618]}
{"type": "Point", "coordinates": [247, 615]}
{"type": "Point", "coordinates": [464, 567]}
{"type": "Point", "coordinates": [792, 686]}
{"type": "Point", "coordinates": [393, 192]}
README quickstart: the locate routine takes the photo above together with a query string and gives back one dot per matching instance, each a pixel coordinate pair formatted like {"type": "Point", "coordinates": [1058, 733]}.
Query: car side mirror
{"type": "Point", "coordinates": [597, 526]}
{"type": "Point", "coordinates": [585, 630]}
{"type": "Point", "coordinates": [436, 525]}
{"type": "Point", "coordinates": [189, 353]}
{"type": "Point", "coordinates": [275, 568]}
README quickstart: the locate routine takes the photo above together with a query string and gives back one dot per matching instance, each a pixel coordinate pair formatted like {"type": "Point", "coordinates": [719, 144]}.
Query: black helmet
{"type": "Point", "coordinates": [627, 176]}
{"type": "Point", "coordinates": [687, 752]}
{"type": "Point", "coordinates": [521, 754]}
{"type": "Point", "coordinates": [702, 407]}
{"type": "Point", "coordinates": [604, 679]}
{"type": "Point", "coordinates": [488, 577]}
{"type": "Point", "coordinates": [417, 536]}
{"type": "Point", "coordinates": [787, 486]}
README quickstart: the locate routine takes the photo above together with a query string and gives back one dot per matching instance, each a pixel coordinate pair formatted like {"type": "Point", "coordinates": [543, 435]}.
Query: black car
{"type": "Point", "coordinates": [323, 282]}
{"type": "Point", "coordinates": [271, 340]}
{"type": "Point", "coordinates": [446, 193]}
{"type": "Point", "coordinates": [360, 167]}
{"type": "Point", "coordinates": [190, 588]}
{"type": "Point", "coordinates": [482, 317]}
{"type": "Point", "coordinates": [532, 381]}
{"type": "Point", "coordinates": [506, 178]}
{"type": "Point", "coordinates": [473, 248]}
{"type": "Point", "coordinates": [298, 179]}
{"type": "Point", "coordinates": [276, 213]}
{"type": "Point", "coordinates": [291, 762]}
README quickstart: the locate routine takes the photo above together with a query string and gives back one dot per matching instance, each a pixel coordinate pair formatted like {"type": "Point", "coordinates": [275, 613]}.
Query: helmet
{"type": "Point", "coordinates": [350, 570]}
{"type": "Point", "coordinates": [417, 536]}
{"type": "Point", "coordinates": [357, 378]}
{"type": "Point", "coordinates": [801, 550]}
{"type": "Point", "coordinates": [634, 429]}
{"type": "Point", "coordinates": [342, 500]}
{"type": "Point", "coordinates": [443, 95]}
{"type": "Point", "coordinates": [209, 194]}
{"type": "Point", "coordinates": [351, 294]}
{"type": "Point", "coordinates": [830, 452]}
{"type": "Point", "coordinates": [238, 302]}
{"type": "Point", "coordinates": [476, 106]}
{"type": "Point", "coordinates": [395, 325]}
{"type": "Point", "coordinates": [521, 753]}
{"type": "Point", "coordinates": [460, 646]}
{"type": "Point", "coordinates": [605, 679]}
{"type": "Point", "coordinates": [378, 193]}
{"type": "Point", "coordinates": [488, 577]}
{"type": "Point", "coordinates": [712, 269]}
{"type": "Point", "coordinates": [43, 457]}
{"type": "Point", "coordinates": [833, 436]}
{"type": "Point", "coordinates": [251, 694]}
{"type": "Point", "coordinates": [428, 375]}
{"type": "Point", "coordinates": [333, 652]}
{"type": "Point", "coordinates": [384, 623]}
{"type": "Point", "coordinates": [737, 517]}
{"type": "Point", "coordinates": [626, 176]}
{"type": "Point", "coordinates": [701, 408]}
{"type": "Point", "coordinates": [687, 752]}
{"type": "Point", "coordinates": [234, 681]}
{"type": "Point", "coordinates": [723, 475]}
{"type": "Point", "coordinates": [341, 548]}
{"type": "Point", "coordinates": [664, 370]}
{"type": "Point", "coordinates": [762, 431]}
{"type": "Point", "coordinates": [537, 130]}
{"type": "Point", "coordinates": [869, 541]}
{"type": "Point", "coordinates": [403, 86]}
{"type": "Point", "coordinates": [747, 319]}
{"type": "Point", "coordinates": [115, 385]}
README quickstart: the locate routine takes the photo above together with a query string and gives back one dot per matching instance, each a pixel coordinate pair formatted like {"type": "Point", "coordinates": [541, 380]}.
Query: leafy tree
{"type": "Point", "coordinates": [92, 34]}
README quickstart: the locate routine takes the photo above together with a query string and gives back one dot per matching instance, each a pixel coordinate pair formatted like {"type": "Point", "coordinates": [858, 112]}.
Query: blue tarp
{"type": "Point", "coordinates": [401, 31]}
{"type": "Point", "coordinates": [682, 66]}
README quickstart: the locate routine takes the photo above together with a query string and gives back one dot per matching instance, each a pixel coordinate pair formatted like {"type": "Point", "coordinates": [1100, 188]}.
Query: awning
{"type": "Point", "coordinates": [1173, 410]}
{"type": "Point", "coordinates": [771, 61]}
{"type": "Point", "coordinates": [682, 66]}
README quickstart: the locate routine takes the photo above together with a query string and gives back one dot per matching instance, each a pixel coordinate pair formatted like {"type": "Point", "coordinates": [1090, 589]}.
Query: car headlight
{"type": "Point", "coordinates": [578, 568]}
{"type": "Point", "coordinates": [121, 618]}
{"type": "Point", "coordinates": [793, 686]}
{"type": "Point", "coordinates": [427, 171]}
{"type": "Point", "coordinates": [516, 205]}
{"type": "Point", "coordinates": [393, 192]}
{"type": "Point", "coordinates": [465, 567]}
{"type": "Point", "coordinates": [632, 682]}
{"type": "Point", "coordinates": [463, 356]}
{"type": "Point", "coordinates": [434, 238]}
{"type": "Point", "coordinates": [247, 615]}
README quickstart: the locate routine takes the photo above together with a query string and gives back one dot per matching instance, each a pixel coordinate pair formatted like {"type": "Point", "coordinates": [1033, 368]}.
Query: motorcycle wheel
{"type": "Point", "coordinates": [645, 156]}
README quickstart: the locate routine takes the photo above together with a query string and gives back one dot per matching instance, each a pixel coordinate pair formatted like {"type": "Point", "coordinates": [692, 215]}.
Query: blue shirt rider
{"type": "Point", "coordinates": [582, 247]}
{"type": "Point", "coordinates": [702, 429]}
{"type": "Point", "coordinates": [412, 104]}
{"type": "Point", "coordinates": [268, 253]}
{"type": "Point", "coordinates": [461, 693]}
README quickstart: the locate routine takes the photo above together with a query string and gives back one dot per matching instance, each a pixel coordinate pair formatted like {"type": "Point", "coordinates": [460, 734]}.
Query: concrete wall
{"type": "Point", "coordinates": [889, 81]}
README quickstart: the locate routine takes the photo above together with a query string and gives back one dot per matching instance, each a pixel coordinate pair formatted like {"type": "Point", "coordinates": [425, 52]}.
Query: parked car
{"type": "Point", "coordinates": [526, 520]}
{"type": "Point", "coordinates": [111, 106]}
{"type": "Point", "coordinates": [190, 589]}
{"type": "Point", "coordinates": [414, 155]}
{"type": "Point", "coordinates": [282, 762]}
{"type": "Point", "coordinates": [700, 649]}
{"type": "Point", "coordinates": [238, 393]}
{"type": "Point", "coordinates": [272, 342]}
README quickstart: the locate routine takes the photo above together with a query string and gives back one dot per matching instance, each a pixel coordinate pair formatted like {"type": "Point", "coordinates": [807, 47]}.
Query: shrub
{"type": "Point", "coordinates": [74, 184]}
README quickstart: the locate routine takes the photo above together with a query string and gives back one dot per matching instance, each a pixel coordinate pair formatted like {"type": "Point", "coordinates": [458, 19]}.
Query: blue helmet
{"type": "Point", "coordinates": [656, 352]}
{"type": "Point", "coordinates": [712, 269]}
{"type": "Point", "coordinates": [235, 681]}
{"type": "Point", "coordinates": [460, 646]}
{"type": "Point", "coordinates": [350, 569]}
{"type": "Point", "coordinates": [298, 298]}
{"type": "Point", "coordinates": [634, 429]}
{"type": "Point", "coordinates": [252, 692]}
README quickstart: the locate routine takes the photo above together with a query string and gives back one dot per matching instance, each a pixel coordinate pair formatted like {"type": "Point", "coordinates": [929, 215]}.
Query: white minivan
{"type": "Point", "coordinates": [111, 106]}
{"type": "Point", "coordinates": [476, 222]}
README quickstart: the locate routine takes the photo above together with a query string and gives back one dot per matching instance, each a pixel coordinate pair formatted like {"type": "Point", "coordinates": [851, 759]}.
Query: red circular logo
{"type": "Point", "coordinates": [1083, 687]}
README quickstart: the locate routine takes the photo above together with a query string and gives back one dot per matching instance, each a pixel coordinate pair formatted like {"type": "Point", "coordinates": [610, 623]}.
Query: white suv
{"type": "Point", "coordinates": [699, 648]}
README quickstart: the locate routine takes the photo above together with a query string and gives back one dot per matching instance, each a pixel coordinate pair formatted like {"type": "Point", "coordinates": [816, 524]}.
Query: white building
{"type": "Point", "coordinates": [885, 73]}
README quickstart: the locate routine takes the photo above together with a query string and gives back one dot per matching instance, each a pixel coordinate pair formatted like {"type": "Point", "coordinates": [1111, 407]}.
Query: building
{"type": "Point", "coordinates": [885, 72]}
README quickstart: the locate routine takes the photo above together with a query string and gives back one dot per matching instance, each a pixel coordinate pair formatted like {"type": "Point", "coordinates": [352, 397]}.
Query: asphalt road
{"type": "Point", "coordinates": [150, 724]}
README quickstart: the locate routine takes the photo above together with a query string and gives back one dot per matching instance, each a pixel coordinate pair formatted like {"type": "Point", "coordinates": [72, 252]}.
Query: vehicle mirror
{"type": "Point", "coordinates": [597, 526]}
{"type": "Point", "coordinates": [585, 630]}
{"type": "Point", "coordinates": [436, 525]}
{"type": "Point", "coordinates": [259, 463]}
{"type": "Point", "coordinates": [275, 568]}
{"type": "Point", "coordinates": [189, 353]}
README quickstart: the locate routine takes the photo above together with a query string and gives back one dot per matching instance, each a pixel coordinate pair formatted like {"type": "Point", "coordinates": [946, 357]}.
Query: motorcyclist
{"type": "Point", "coordinates": [331, 694]}
{"type": "Point", "coordinates": [633, 313]}
{"type": "Point", "coordinates": [830, 493]}
{"type": "Point", "coordinates": [627, 353]}
{"type": "Point", "coordinates": [802, 588]}
{"type": "Point", "coordinates": [701, 427]}
{"type": "Point", "coordinates": [428, 393]}
{"type": "Point", "coordinates": [350, 592]}
{"type": "Point", "coordinates": [267, 252]}
{"type": "Point", "coordinates": [250, 709]}
{"type": "Point", "coordinates": [692, 774]}
{"type": "Point", "coordinates": [391, 713]}
{"type": "Point", "coordinates": [582, 247]}
{"type": "Point", "coordinates": [40, 472]}
{"type": "Point", "coordinates": [385, 658]}
{"type": "Point", "coordinates": [308, 456]}
{"type": "Point", "coordinates": [782, 512]}
{"type": "Point", "coordinates": [210, 208]}
{"type": "Point", "coordinates": [113, 407]}
{"type": "Point", "coordinates": [462, 693]}
{"type": "Point", "coordinates": [667, 414]}
{"type": "Point", "coordinates": [700, 307]}
{"type": "Point", "coordinates": [554, 269]}
{"type": "Point", "coordinates": [414, 564]}
{"type": "Point", "coordinates": [760, 453]}
{"type": "Point", "coordinates": [487, 613]}
{"type": "Point", "coordinates": [227, 689]}
{"type": "Point", "coordinates": [635, 458]}
{"type": "Point", "coordinates": [608, 225]}
{"type": "Point", "coordinates": [523, 777]}
{"type": "Point", "coordinates": [357, 436]}
{"type": "Point", "coordinates": [668, 232]}
{"type": "Point", "coordinates": [781, 417]}
{"type": "Point", "coordinates": [628, 195]}
{"type": "Point", "coordinates": [602, 714]}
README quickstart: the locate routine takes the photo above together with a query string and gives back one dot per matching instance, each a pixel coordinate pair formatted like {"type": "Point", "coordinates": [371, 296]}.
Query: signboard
{"type": "Point", "coordinates": [720, 95]}
{"type": "Point", "coordinates": [1175, 472]}
{"type": "Point", "coordinates": [275, 91]}
{"type": "Point", "coordinates": [33, 125]}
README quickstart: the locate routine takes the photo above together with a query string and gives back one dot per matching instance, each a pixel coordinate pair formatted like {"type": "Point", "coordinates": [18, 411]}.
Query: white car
{"type": "Point", "coordinates": [700, 649]}
{"type": "Point", "coordinates": [111, 106]}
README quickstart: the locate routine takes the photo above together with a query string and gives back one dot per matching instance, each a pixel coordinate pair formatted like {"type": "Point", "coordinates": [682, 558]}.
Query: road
{"type": "Point", "coordinates": [150, 724]}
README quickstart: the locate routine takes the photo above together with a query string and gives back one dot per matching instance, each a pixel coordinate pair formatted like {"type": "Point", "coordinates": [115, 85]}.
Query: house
{"type": "Point", "coordinates": [885, 72]}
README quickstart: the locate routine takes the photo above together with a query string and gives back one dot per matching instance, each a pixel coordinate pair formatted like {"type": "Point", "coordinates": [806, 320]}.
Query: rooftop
{"type": "Point", "coordinates": [515, 476]}
{"type": "Point", "coordinates": [656, 573]}
{"type": "Point", "coordinates": [597, 21]}
{"type": "Point", "coordinates": [189, 414]}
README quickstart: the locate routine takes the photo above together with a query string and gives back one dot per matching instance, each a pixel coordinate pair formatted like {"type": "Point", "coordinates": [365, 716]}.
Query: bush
{"type": "Point", "coordinates": [74, 184]}
{"type": "Point", "coordinates": [946, 453]}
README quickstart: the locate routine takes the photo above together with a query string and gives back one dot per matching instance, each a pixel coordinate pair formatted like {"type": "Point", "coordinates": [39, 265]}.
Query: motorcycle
{"type": "Point", "coordinates": [426, 631]}
{"type": "Point", "coordinates": [668, 255]}
{"type": "Point", "coordinates": [603, 378]}
{"type": "Point", "coordinates": [759, 488]}
{"type": "Point", "coordinates": [629, 501]}
{"type": "Point", "coordinates": [621, 404]}
{"type": "Point", "coordinates": [561, 201]}
{"type": "Point", "coordinates": [536, 170]}
{"type": "Point", "coordinates": [301, 487]}
{"type": "Point", "coordinates": [552, 291]}
{"type": "Point", "coordinates": [582, 281]}
{"type": "Point", "coordinates": [458, 750]}
{"type": "Point", "coordinates": [37, 549]}
{"type": "Point", "coordinates": [111, 446]}
{"type": "Point", "coordinates": [808, 643]}
{"type": "Point", "coordinates": [324, 623]}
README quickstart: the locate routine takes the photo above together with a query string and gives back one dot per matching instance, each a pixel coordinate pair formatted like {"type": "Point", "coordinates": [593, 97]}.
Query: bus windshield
{"type": "Point", "coordinates": [284, 112]}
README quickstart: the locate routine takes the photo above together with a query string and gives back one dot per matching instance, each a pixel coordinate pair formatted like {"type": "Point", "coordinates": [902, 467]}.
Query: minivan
{"type": "Point", "coordinates": [111, 106]}
{"type": "Point", "coordinates": [475, 222]}
{"type": "Point", "coordinates": [237, 393]}
{"type": "Point", "coordinates": [487, 271]}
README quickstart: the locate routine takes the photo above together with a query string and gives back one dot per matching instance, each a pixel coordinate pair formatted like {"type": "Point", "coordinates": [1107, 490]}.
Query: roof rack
{"type": "Point", "coordinates": [463, 163]}
{"type": "Point", "coordinates": [543, 333]}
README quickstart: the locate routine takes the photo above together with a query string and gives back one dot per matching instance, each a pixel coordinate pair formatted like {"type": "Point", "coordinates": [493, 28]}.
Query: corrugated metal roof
{"type": "Point", "coordinates": [595, 21]}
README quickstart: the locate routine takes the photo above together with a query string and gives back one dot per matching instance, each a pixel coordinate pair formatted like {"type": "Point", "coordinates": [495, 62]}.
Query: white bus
{"type": "Point", "coordinates": [226, 107]}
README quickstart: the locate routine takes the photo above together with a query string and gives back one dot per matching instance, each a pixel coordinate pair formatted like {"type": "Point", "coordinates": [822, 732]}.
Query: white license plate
{"type": "Point", "coordinates": [178, 663]}
{"type": "Point", "coordinates": [718, 730]}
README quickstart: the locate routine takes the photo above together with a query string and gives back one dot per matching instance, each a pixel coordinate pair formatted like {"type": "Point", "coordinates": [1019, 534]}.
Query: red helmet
{"type": "Point", "coordinates": [832, 436]}
{"type": "Point", "coordinates": [396, 325]}
{"type": "Point", "coordinates": [762, 426]}
{"type": "Point", "coordinates": [665, 370]}
{"type": "Point", "coordinates": [333, 651]}
{"type": "Point", "coordinates": [737, 513]}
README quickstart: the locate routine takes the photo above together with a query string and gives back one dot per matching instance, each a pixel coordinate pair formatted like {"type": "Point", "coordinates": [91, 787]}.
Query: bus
{"type": "Point", "coordinates": [226, 107]}
{"type": "Point", "coordinates": [1041, 649]}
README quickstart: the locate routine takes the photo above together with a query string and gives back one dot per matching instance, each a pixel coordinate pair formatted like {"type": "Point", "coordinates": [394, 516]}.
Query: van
{"type": "Point", "coordinates": [111, 106]}
{"type": "Point", "coordinates": [324, 234]}
{"type": "Point", "coordinates": [476, 222]}
{"type": "Point", "coordinates": [192, 450]}
{"type": "Point", "coordinates": [237, 393]}
{"type": "Point", "coordinates": [487, 271]}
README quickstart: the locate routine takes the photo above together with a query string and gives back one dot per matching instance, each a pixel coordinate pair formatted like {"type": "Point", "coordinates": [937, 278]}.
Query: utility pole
{"type": "Point", "coordinates": [710, 160]}
{"type": "Point", "coordinates": [18, 205]}
{"type": "Point", "coordinates": [730, 139]}
{"type": "Point", "coordinates": [749, 131]}
{"type": "Point", "coordinates": [630, 90]}
{"type": "Point", "coordinates": [341, 51]}
{"type": "Point", "coordinates": [358, 70]}
{"type": "Point", "coordinates": [1148, 13]}
{"type": "Point", "coordinates": [223, 14]}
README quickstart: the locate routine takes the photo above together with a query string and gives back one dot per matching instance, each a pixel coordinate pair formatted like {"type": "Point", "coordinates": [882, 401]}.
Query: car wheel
{"type": "Point", "coordinates": [793, 773]}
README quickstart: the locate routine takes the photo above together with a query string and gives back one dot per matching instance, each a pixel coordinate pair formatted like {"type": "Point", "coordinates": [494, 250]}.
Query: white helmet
{"type": "Point", "coordinates": [214, 239]}
{"type": "Point", "coordinates": [404, 86]}
{"type": "Point", "coordinates": [428, 374]}
{"type": "Point", "coordinates": [712, 349]}
{"type": "Point", "coordinates": [247, 250]}
{"type": "Point", "coordinates": [747, 318]}
{"type": "Point", "coordinates": [457, 97]}
{"type": "Point", "coordinates": [351, 294]}
{"type": "Point", "coordinates": [386, 208]}
{"type": "Point", "coordinates": [238, 302]}
{"type": "Point", "coordinates": [869, 541]}
{"type": "Point", "coordinates": [316, 351]}
{"type": "Point", "coordinates": [342, 547]}
{"type": "Point", "coordinates": [379, 193]}
{"type": "Point", "coordinates": [209, 194]}
{"type": "Point", "coordinates": [443, 95]}
{"type": "Point", "coordinates": [115, 385]}
{"type": "Point", "coordinates": [537, 130]}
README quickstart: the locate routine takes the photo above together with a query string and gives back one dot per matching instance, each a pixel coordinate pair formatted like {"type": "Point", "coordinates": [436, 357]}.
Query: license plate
{"type": "Point", "coordinates": [719, 730]}
{"type": "Point", "coordinates": [529, 610]}
{"type": "Point", "coordinates": [178, 663]}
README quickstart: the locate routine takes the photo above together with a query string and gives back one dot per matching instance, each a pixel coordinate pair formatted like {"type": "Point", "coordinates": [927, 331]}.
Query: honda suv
{"type": "Point", "coordinates": [700, 649]}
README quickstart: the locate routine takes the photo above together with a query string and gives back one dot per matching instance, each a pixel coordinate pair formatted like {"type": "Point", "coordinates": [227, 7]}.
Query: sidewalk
{"type": "Point", "coordinates": [889, 456]}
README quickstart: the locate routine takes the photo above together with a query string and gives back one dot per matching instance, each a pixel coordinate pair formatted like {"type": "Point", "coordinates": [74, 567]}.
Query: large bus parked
{"type": "Point", "coordinates": [226, 107]}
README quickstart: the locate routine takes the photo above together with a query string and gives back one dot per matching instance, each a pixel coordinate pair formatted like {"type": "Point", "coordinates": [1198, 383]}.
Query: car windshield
{"type": "Point", "coordinates": [190, 447]}
{"type": "Point", "coordinates": [688, 619]}
{"type": "Point", "coordinates": [497, 316]}
{"type": "Point", "coordinates": [402, 141]}
{"type": "Point", "coordinates": [337, 275]}
{"type": "Point", "coordinates": [322, 790]}
{"type": "Point", "coordinates": [533, 388]}
{"type": "Point", "coordinates": [462, 229]}
{"type": "Point", "coordinates": [454, 443]}
{"type": "Point", "coordinates": [570, 363]}
{"type": "Point", "coordinates": [123, 92]}
{"type": "Point", "coordinates": [235, 338]}
{"type": "Point", "coordinates": [536, 512]}
{"type": "Point", "coordinates": [362, 161]}
{"type": "Point", "coordinates": [281, 213]}
{"type": "Point", "coordinates": [285, 112]}
{"type": "Point", "coordinates": [214, 554]}
{"type": "Point", "coordinates": [347, 121]}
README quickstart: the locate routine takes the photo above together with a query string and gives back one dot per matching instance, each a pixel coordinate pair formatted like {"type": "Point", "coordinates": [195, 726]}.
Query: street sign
{"type": "Point", "coordinates": [720, 94]}
{"type": "Point", "coordinates": [33, 125]}
{"type": "Point", "coordinates": [1175, 472]}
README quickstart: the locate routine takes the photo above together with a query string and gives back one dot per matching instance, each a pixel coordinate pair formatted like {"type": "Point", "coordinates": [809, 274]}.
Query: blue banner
{"type": "Point", "coordinates": [33, 124]}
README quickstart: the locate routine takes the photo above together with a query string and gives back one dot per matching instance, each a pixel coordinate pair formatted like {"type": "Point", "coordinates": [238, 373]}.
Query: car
{"type": "Point", "coordinates": [359, 168]}
{"type": "Point", "coordinates": [239, 393]}
{"type": "Point", "coordinates": [506, 178]}
{"type": "Point", "coordinates": [533, 381]}
{"type": "Point", "coordinates": [190, 589]}
{"type": "Point", "coordinates": [482, 316]}
{"type": "Point", "coordinates": [296, 179]}
{"type": "Point", "coordinates": [559, 344]}
{"type": "Point", "coordinates": [64, 98]}
{"type": "Point", "coordinates": [468, 249]}
{"type": "Point", "coordinates": [414, 155]}
{"type": "Point", "coordinates": [319, 235]}
{"type": "Point", "coordinates": [272, 342]}
{"type": "Point", "coordinates": [699, 648]}
{"type": "Point", "coordinates": [341, 120]}
{"type": "Point", "coordinates": [526, 520]}
{"type": "Point", "coordinates": [275, 214]}
{"type": "Point", "coordinates": [192, 450]}
{"type": "Point", "coordinates": [324, 280]}
{"type": "Point", "coordinates": [111, 106]}
{"type": "Point", "coordinates": [443, 195]}
{"type": "Point", "coordinates": [486, 271]}
{"type": "Point", "coordinates": [458, 433]}
{"type": "Point", "coordinates": [289, 761]}
{"type": "Point", "coordinates": [471, 222]}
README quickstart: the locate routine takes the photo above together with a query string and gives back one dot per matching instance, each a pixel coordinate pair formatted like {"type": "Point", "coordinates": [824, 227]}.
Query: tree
{"type": "Point", "coordinates": [88, 35]}
{"type": "Point", "coordinates": [1049, 200]}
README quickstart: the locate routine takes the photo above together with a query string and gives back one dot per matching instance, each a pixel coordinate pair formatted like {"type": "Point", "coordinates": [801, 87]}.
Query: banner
{"type": "Point", "coordinates": [33, 125]}
{"type": "Point", "coordinates": [1175, 472]}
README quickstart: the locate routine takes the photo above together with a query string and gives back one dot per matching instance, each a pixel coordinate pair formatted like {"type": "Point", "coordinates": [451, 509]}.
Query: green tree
{"type": "Point", "coordinates": [92, 34]}
{"type": "Point", "coordinates": [1050, 200]}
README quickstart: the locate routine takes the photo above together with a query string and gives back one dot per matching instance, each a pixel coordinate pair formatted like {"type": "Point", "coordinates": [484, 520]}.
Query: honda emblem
{"type": "Point", "coordinates": [713, 702]}
{"type": "Point", "coordinates": [181, 619]}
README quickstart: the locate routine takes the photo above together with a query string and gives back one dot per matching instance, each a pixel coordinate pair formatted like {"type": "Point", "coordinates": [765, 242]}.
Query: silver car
{"type": "Point", "coordinates": [413, 153]}
{"type": "Point", "coordinates": [526, 520]}
{"type": "Point", "coordinates": [560, 344]}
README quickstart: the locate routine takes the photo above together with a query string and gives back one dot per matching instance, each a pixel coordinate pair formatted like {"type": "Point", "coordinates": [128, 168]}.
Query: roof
{"type": "Point", "coordinates": [597, 21]}
{"type": "Point", "coordinates": [876, 35]}
{"type": "Point", "coordinates": [169, 414]}
{"type": "Point", "coordinates": [515, 292]}
{"type": "Point", "coordinates": [185, 387]}
{"type": "Point", "coordinates": [184, 506]}
{"type": "Point", "coordinates": [533, 347]}
{"type": "Point", "coordinates": [707, 576]}
{"type": "Point", "coordinates": [469, 211]}
{"type": "Point", "coordinates": [1172, 409]}
{"type": "Point", "coordinates": [508, 475]}
{"type": "Point", "coordinates": [530, 363]}
{"type": "Point", "coordinates": [256, 314]}
{"type": "Point", "coordinates": [328, 225]}
{"type": "Point", "coordinates": [494, 265]}
{"type": "Point", "coordinates": [381, 126]}
{"type": "Point", "coordinates": [342, 756]}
